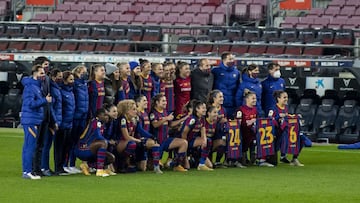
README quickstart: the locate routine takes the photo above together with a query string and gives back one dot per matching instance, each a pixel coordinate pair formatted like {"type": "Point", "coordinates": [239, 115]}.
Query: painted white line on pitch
{"type": "Point", "coordinates": [351, 151]}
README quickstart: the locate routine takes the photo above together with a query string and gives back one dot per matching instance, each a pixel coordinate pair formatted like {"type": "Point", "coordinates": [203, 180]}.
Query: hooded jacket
{"type": "Point", "coordinates": [68, 106]}
{"type": "Point", "coordinates": [252, 84]}
{"type": "Point", "coordinates": [269, 85]}
{"type": "Point", "coordinates": [56, 103]}
{"type": "Point", "coordinates": [81, 99]}
{"type": "Point", "coordinates": [32, 109]}
{"type": "Point", "coordinates": [227, 79]}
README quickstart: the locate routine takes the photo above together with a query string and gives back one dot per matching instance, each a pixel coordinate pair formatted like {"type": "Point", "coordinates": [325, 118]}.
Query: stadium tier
{"type": "Point", "coordinates": [122, 38]}
{"type": "Point", "coordinates": [337, 15]}
{"type": "Point", "coordinates": [156, 12]}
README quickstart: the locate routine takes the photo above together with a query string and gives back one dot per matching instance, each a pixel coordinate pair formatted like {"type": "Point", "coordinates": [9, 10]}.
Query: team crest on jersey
{"type": "Point", "coordinates": [239, 114]}
{"type": "Point", "coordinates": [271, 113]}
{"type": "Point", "coordinates": [123, 121]}
{"type": "Point", "coordinates": [192, 121]}
{"type": "Point", "coordinates": [234, 75]}
{"type": "Point", "coordinates": [99, 124]}
{"type": "Point", "coordinates": [152, 116]}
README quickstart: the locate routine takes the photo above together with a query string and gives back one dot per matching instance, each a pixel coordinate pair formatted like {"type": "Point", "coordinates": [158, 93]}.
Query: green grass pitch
{"type": "Point", "coordinates": [329, 175]}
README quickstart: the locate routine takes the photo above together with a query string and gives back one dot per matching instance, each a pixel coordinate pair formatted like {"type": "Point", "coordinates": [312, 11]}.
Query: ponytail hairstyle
{"type": "Point", "coordinates": [124, 106]}
{"type": "Point", "coordinates": [251, 67]}
{"type": "Point", "coordinates": [212, 95]}
{"type": "Point", "coordinates": [120, 66]}
{"type": "Point", "coordinates": [209, 109]}
{"type": "Point", "coordinates": [180, 65]}
{"type": "Point", "coordinates": [76, 71]}
{"type": "Point", "coordinates": [143, 62]}
{"type": "Point", "coordinates": [277, 94]}
{"type": "Point", "coordinates": [93, 69]}
{"type": "Point", "coordinates": [248, 93]}
{"type": "Point", "coordinates": [188, 106]}
{"type": "Point", "coordinates": [155, 99]}
{"type": "Point", "coordinates": [196, 104]}
{"type": "Point", "coordinates": [100, 111]}
{"type": "Point", "coordinates": [108, 106]}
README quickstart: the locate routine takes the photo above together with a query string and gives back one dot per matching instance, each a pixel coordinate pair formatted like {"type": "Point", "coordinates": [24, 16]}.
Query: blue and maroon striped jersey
{"type": "Point", "coordinates": [234, 140]}
{"type": "Point", "coordinates": [265, 128]}
{"type": "Point", "coordinates": [195, 124]}
{"type": "Point", "coordinates": [92, 132]}
{"type": "Point", "coordinates": [96, 96]}
{"type": "Point", "coordinates": [126, 87]}
{"type": "Point", "coordinates": [129, 125]}
{"type": "Point", "coordinates": [210, 128]}
{"type": "Point", "coordinates": [147, 89]}
{"type": "Point", "coordinates": [290, 135]}
{"type": "Point", "coordinates": [161, 132]}
{"type": "Point", "coordinates": [167, 87]}
{"type": "Point", "coordinates": [144, 120]}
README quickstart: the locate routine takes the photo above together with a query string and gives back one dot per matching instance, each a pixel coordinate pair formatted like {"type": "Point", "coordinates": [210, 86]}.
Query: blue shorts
{"type": "Point", "coordinates": [85, 155]}
{"type": "Point", "coordinates": [166, 144]}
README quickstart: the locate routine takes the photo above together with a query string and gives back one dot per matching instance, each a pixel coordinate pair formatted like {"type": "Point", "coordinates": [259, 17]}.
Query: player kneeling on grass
{"type": "Point", "coordinates": [213, 127]}
{"type": "Point", "coordinates": [193, 130]}
{"type": "Point", "coordinates": [160, 122]}
{"type": "Point", "coordinates": [130, 129]}
{"type": "Point", "coordinates": [32, 112]}
{"type": "Point", "coordinates": [280, 113]}
{"type": "Point", "coordinates": [92, 146]}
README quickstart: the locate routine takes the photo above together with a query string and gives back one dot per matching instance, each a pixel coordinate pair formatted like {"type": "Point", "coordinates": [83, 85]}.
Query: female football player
{"type": "Point", "coordinates": [96, 88]}
{"type": "Point", "coordinates": [160, 123]}
{"type": "Point", "coordinates": [193, 130]}
{"type": "Point", "coordinates": [132, 133]}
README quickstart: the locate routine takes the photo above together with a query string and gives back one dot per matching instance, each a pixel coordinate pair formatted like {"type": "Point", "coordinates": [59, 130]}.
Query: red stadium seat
{"type": "Point", "coordinates": [238, 48]}
{"type": "Point", "coordinates": [179, 8]}
{"type": "Point", "coordinates": [54, 17]}
{"type": "Point", "coordinates": [312, 50]}
{"type": "Point", "coordinates": [86, 46]}
{"type": "Point", "coordinates": [217, 48]}
{"type": "Point", "coordinates": [140, 19]}
{"type": "Point", "coordinates": [40, 17]}
{"type": "Point", "coordinates": [194, 8]}
{"type": "Point", "coordinates": [241, 10]}
{"type": "Point", "coordinates": [218, 19]}
{"type": "Point", "coordinates": [47, 31]}
{"type": "Point", "coordinates": [294, 50]}
{"type": "Point", "coordinates": [256, 11]}
{"type": "Point", "coordinates": [134, 34]}
{"type": "Point", "coordinates": [103, 47]}
{"type": "Point", "coordinates": [344, 37]}
{"type": "Point", "coordinates": [111, 18]}
{"type": "Point", "coordinates": [126, 18]}
{"type": "Point", "coordinates": [185, 19]}
{"type": "Point", "coordinates": [203, 48]}
{"type": "Point", "coordinates": [121, 47]}
{"type": "Point", "coordinates": [152, 34]}
{"type": "Point", "coordinates": [82, 31]}
{"type": "Point", "coordinates": [257, 49]}
{"type": "Point", "coordinates": [63, 7]}
{"type": "Point", "coordinates": [276, 50]}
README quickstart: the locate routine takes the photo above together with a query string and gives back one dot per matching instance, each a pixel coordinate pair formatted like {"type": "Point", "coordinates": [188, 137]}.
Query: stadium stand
{"type": "Point", "coordinates": [337, 15]}
{"type": "Point", "coordinates": [324, 122]}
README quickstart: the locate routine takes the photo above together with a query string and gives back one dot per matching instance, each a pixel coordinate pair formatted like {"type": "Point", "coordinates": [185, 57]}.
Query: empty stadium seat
{"type": "Point", "coordinates": [99, 32]}
{"type": "Point", "coordinates": [324, 122]}
{"type": "Point", "coordinates": [185, 48]}
{"type": "Point", "coordinates": [118, 47]}
{"type": "Point", "coordinates": [234, 33]}
{"type": "Point", "coordinates": [307, 110]}
{"type": "Point", "coordinates": [276, 50]}
{"type": "Point", "coordinates": [347, 122]}
{"type": "Point", "coordinates": [312, 95]}
{"type": "Point", "coordinates": [344, 37]}
{"type": "Point", "coordinates": [10, 108]}
{"type": "Point", "coordinates": [326, 36]}
{"type": "Point", "coordinates": [218, 48]}
{"type": "Point", "coordinates": [203, 48]}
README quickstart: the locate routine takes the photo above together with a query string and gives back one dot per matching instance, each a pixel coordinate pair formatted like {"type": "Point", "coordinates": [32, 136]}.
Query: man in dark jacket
{"type": "Point", "coordinates": [202, 81]}
{"type": "Point", "coordinates": [47, 119]}
{"type": "Point", "coordinates": [32, 113]}
{"type": "Point", "coordinates": [227, 80]}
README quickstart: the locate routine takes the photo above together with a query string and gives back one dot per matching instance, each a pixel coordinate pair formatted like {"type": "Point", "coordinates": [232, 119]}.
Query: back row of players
{"type": "Point", "coordinates": [112, 119]}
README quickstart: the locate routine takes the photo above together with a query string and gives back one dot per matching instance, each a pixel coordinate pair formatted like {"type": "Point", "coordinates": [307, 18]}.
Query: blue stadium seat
{"type": "Point", "coordinates": [348, 122]}
{"type": "Point", "coordinates": [324, 122]}
{"type": "Point", "coordinates": [307, 110]}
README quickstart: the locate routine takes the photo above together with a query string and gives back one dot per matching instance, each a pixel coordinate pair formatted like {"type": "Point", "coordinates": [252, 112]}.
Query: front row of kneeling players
{"type": "Point", "coordinates": [120, 137]}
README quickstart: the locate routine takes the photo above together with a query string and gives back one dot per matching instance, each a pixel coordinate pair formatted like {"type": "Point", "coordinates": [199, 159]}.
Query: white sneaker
{"type": "Point", "coordinates": [74, 170]}
{"type": "Point", "coordinates": [92, 170]}
{"type": "Point", "coordinates": [264, 163]}
{"type": "Point", "coordinates": [296, 162]}
{"type": "Point", "coordinates": [157, 170]}
{"type": "Point", "coordinates": [31, 176]}
{"type": "Point", "coordinates": [239, 165]}
{"type": "Point", "coordinates": [68, 170]}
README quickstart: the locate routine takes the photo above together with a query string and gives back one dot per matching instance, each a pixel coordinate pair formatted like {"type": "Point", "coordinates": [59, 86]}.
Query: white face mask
{"type": "Point", "coordinates": [277, 74]}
